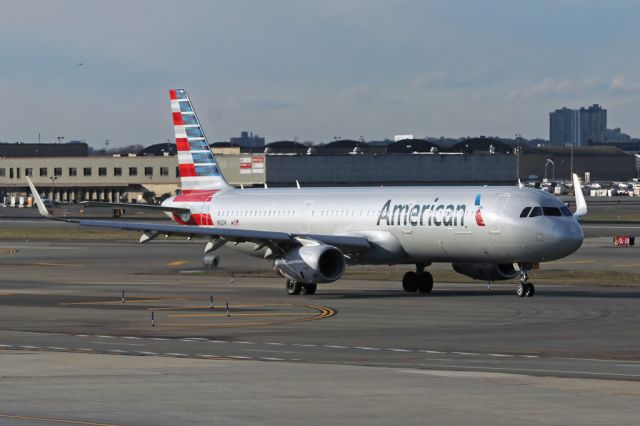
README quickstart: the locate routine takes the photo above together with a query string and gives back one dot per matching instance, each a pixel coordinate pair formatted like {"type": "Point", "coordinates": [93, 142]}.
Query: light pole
{"type": "Point", "coordinates": [571, 177]}
{"type": "Point", "coordinates": [518, 137]}
{"type": "Point", "coordinates": [553, 169]}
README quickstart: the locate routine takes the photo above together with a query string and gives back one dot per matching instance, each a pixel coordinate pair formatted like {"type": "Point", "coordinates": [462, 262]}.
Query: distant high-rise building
{"type": "Point", "coordinates": [578, 127]}
{"type": "Point", "coordinates": [248, 140]}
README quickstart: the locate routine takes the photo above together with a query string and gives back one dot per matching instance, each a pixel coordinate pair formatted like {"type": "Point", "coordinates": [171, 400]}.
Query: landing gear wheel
{"type": "Point", "coordinates": [425, 282]}
{"type": "Point", "coordinates": [410, 282]}
{"type": "Point", "coordinates": [525, 288]}
{"type": "Point", "coordinates": [293, 287]}
{"type": "Point", "coordinates": [529, 290]}
{"type": "Point", "coordinates": [309, 288]}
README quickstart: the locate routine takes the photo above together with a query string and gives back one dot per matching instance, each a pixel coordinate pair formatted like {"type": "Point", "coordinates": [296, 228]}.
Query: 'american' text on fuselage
{"type": "Point", "coordinates": [422, 214]}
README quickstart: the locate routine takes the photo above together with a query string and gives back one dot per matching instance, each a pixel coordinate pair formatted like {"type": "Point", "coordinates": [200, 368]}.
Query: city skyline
{"type": "Point", "coordinates": [287, 70]}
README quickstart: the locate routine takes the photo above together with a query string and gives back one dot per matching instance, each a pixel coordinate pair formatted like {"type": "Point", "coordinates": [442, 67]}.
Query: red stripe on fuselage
{"type": "Point", "coordinates": [177, 119]}
{"type": "Point", "coordinates": [202, 219]}
{"type": "Point", "coordinates": [182, 144]}
{"type": "Point", "coordinates": [194, 196]}
{"type": "Point", "coordinates": [177, 219]}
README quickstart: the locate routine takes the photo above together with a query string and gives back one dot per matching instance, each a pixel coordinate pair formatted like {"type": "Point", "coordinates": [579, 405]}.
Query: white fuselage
{"type": "Point", "coordinates": [407, 224]}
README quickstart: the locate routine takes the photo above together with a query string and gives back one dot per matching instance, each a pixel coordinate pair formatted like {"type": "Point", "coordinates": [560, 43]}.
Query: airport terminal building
{"type": "Point", "coordinates": [66, 173]}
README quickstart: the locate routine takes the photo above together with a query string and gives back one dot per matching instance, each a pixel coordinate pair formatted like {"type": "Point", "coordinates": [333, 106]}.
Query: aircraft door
{"type": "Point", "coordinates": [305, 216]}
{"type": "Point", "coordinates": [206, 217]}
{"type": "Point", "coordinates": [406, 224]}
{"type": "Point", "coordinates": [496, 211]}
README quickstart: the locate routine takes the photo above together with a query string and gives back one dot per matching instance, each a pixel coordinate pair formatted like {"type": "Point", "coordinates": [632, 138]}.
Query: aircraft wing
{"type": "Point", "coordinates": [156, 207]}
{"type": "Point", "coordinates": [348, 243]}
{"type": "Point", "coordinates": [272, 239]}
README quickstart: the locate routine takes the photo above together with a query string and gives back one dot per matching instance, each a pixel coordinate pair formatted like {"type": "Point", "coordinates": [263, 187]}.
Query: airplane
{"type": "Point", "coordinates": [311, 235]}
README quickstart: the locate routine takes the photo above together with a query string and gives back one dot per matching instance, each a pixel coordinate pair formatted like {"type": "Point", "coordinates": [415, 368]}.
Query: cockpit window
{"type": "Point", "coordinates": [535, 211]}
{"type": "Point", "coordinates": [551, 211]}
{"type": "Point", "coordinates": [525, 212]}
{"type": "Point", "coordinates": [565, 211]}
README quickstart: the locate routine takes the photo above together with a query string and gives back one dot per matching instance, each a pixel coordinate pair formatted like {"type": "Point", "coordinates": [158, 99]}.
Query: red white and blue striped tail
{"type": "Point", "coordinates": [198, 167]}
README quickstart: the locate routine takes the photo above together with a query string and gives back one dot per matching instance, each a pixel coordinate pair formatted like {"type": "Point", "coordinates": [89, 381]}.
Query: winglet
{"type": "Point", "coordinates": [41, 208]}
{"type": "Point", "coordinates": [520, 185]}
{"type": "Point", "coordinates": [581, 204]}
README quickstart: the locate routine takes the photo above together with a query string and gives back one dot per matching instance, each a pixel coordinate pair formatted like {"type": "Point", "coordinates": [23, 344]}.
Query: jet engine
{"type": "Point", "coordinates": [486, 271]}
{"type": "Point", "coordinates": [312, 264]}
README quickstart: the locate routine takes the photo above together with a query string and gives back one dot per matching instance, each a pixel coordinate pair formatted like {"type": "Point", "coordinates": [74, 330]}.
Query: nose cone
{"type": "Point", "coordinates": [567, 238]}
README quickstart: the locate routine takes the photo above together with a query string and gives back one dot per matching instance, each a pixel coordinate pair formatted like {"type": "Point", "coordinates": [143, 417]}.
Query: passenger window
{"type": "Point", "coordinates": [565, 211]}
{"type": "Point", "coordinates": [525, 212]}
{"type": "Point", "coordinates": [551, 211]}
{"type": "Point", "coordinates": [535, 211]}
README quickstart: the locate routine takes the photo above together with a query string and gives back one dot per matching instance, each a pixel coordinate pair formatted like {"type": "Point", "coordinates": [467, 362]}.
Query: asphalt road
{"type": "Point", "coordinates": [359, 351]}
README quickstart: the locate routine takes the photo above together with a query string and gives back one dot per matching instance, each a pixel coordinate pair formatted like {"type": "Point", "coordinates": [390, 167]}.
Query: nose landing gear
{"type": "Point", "coordinates": [525, 288]}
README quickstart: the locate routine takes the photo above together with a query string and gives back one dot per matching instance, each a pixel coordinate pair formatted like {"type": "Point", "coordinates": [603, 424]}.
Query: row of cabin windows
{"type": "Point", "coordinates": [545, 211]}
{"type": "Point", "coordinates": [288, 213]}
{"type": "Point", "coordinates": [86, 171]}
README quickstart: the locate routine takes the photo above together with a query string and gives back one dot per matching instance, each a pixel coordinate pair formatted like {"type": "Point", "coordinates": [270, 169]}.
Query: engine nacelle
{"type": "Point", "coordinates": [312, 264]}
{"type": "Point", "coordinates": [486, 271]}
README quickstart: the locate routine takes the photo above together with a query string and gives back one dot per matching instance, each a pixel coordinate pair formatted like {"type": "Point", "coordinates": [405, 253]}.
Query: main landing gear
{"type": "Point", "coordinates": [421, 280]}
{"type": "Point", "coordinates": [295, 288]}
{"type": "Point", "coordinates": [525, 288]}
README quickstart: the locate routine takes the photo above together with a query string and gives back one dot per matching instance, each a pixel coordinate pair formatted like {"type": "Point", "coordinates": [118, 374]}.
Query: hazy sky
{"type": "Point", "coordinates": [313, 69]}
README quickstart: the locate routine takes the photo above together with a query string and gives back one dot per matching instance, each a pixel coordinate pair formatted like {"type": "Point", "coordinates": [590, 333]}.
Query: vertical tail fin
{"type": "Point", "coordinates": [199, 170]}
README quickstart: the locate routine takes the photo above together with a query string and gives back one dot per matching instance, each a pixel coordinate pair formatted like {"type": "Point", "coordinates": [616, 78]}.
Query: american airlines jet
{"type": "Point", "coordinates": [311, 235]}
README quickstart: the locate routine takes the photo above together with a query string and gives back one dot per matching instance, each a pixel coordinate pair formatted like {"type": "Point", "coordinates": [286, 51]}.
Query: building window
{"type": "Point", "coordinates": [177, 171]}
{"type": "Point", "coordinates": [164, 171]}
{"type": "Point", "coordinates": [148, 171]}
{"type": "Point", "coordinates": [102, 171]}
{"type": "Point", "coordinates": [3, 172]}
{"type": "Point", "coordinates": [117, 171]}
{"type": "Point", "coordinates": [28, 172]}
{"type": "Point", "coordinates": [11, 173]}
{"type": "Point", "coordinates": [43, 171]}
{"type": "Point", "coordinates": [73, 171]}
{"type": "Point", "coordinates": [133, 171]}
{"type": "Point", "coordinates": [86, 171]}
{"type": "Point", "coordinates": [57, 171]}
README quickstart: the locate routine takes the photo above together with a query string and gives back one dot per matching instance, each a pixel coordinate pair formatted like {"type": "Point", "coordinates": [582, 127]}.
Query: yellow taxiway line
{"type": "Point", "coordinates": [127, 301]}
{"type": "Point", "coordinates": [177, 262]}
{"type": "Point", "coordinates": [572, 262]}
{"type": "Point", "coordinates": [271, 314]}
{"type": "Point", "coordinates": [323, 312]}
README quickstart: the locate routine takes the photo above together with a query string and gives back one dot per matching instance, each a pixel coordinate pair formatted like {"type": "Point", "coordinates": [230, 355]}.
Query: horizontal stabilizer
{"type": "Point", "coordinates": [140, 206]}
